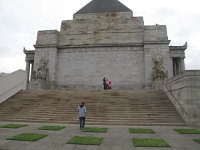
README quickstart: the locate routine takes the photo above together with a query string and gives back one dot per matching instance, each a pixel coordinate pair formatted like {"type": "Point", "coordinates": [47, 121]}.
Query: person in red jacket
{"type": "Point", "coordinates": [110, 85]}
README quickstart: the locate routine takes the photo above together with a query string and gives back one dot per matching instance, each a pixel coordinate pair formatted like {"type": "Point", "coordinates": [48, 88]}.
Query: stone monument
{"type": "Point", "coordinates": [104, 39]}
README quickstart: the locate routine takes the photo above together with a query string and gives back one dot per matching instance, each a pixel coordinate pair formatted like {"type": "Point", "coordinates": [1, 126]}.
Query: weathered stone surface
{"type": "Point", "coordinates": [47, 37]}
{"type": "Point", "coordinates": [106, 28]}
{"type": "Point", "coordinates": [184, 91]}
{"type": "Point", "coordinates": [113, 44]}
{"type": "Point", "coordinates": [122, 65]}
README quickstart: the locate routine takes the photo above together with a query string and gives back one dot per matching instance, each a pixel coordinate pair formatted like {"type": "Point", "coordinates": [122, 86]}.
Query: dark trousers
{"type": "Point", "coordinates": [82, 122]}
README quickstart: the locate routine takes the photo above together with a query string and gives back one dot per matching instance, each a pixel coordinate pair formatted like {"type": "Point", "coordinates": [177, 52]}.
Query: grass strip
{"type": "Point", "coordinates": [13, 126]}
{"type": "Point", "coordinates": [95, 130]}
{"type": "Point", "coordinates": [197, 140]}
{"type": "Point", "coordinates": [141, 130]}
{"type": "Point", "coordinates": [27, 137]}
{"type": "Point", "coordinates": [149, 142]}
{"type": "Point", "coordinates": [52, 128]}
{"type": "Point", "coordinates": [187, 131]}
{"type": "Point", "coordinates": [85, 140]}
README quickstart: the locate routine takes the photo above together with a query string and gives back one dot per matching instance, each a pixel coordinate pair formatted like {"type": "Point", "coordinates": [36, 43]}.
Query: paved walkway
{"type": "Point", "coordinates": [117, 138]}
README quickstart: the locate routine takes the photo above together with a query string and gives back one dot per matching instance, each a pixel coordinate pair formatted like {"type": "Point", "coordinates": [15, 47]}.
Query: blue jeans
{"type": "Point", "coordinates": [82, 122]}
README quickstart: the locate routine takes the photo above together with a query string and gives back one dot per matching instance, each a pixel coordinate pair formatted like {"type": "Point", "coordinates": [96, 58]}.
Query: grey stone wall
{"type": "Point", "coordinates": [184, 92]}
{"type": "Point", "coordinates": [91, 46]}
{"type": "Point", "coordinates": [47, 37]}
{"type": "Point", "coordinates": [86, 67]}
{"type": "Point", "coordinates": [104, 28]}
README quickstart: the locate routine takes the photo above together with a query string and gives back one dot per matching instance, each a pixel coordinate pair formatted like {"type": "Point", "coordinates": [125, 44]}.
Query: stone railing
{"type": "Point", "coordinates": [184, 92]}
{"type": "Point", "coordinates": [12, 83]}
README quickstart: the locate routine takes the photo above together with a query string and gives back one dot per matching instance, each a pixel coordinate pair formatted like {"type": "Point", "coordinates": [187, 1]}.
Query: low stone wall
{"type": "Point", "coordinates": [11, 84]}
{"type": "Point", "coordinates": [184, 91]}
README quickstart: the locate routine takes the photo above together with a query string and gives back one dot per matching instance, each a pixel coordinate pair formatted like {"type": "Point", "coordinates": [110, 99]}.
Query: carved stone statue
{"type": "Point", "coordinates": [159, 72]}
{"type": "Point", "coordinates": [42, 72]}
{"type": "Point", "coordinates": [40, 77]}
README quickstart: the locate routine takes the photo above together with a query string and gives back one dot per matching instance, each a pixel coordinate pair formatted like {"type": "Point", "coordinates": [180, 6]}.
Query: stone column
{"type": "Point", "coordinates": [32, 65]}
{"type": "Point", "coordinates": [182, 64]}
{"type": "Point", "coordinates": [28, 70]}
{"type": "Point", "coordinates": [179, 65]}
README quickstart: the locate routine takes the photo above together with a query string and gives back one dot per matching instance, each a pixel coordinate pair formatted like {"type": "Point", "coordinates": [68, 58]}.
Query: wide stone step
{"type": "Point", "coordinates": [104, 107]}
{"type": "Point", "coordinates": [96, 117]}
{"type": "Point", "coordinates": [116, 122]}
{"type": "Point", "coordinates": [134, 120]}
{"type": "Point", "coordinates": [89, 111]}
{"type": "Point", "coordinates": [158, 113]}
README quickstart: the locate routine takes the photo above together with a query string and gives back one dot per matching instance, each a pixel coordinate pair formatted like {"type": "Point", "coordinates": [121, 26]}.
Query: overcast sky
{"type": "Point", "coordinates": [21, 19]}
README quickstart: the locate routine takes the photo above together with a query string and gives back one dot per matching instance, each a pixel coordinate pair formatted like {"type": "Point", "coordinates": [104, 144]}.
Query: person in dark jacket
{"type": "Point", "coordinates": [104, 83]}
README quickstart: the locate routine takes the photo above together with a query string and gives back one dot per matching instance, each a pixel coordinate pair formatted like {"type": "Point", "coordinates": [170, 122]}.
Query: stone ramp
{"type": "Point", "coordinates": [115, 107]}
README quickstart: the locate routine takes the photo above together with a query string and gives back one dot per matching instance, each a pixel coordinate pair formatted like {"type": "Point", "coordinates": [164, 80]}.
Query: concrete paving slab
{"type": "Point", "coordinates": [116, 138]}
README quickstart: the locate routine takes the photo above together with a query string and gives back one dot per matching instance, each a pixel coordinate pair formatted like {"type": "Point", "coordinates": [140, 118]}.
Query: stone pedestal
{"type": "Point", "coordinates": [158, 84]}
{"type": "Point", "coordinates": [37, 84]}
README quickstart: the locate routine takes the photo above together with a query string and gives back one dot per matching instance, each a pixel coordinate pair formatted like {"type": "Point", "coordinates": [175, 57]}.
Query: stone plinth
{"type": "Point", "coordinates": [158, 84]}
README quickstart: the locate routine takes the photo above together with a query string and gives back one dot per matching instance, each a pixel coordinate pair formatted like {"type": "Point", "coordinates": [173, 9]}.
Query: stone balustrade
{"type": "Point", "coordinates": [12, 83]}
{"type": "Point", "coordinates": [184, 91]}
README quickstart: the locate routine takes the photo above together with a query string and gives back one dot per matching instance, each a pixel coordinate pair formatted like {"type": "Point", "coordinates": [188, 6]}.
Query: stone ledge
{"type": "Point", "coordinates": [156, 42]}
{"type": "Point", "coordinates": [48, 32]}
{"type": "Point", "coordinates": [191, 73]}
{"type": "Point", "coordinates": [46, 46]}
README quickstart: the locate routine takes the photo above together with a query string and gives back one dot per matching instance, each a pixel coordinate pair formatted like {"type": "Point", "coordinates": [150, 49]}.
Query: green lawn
{"type": "Point", "coordinates": [141, 130]}
{"type": "Point", "coordinates": [187, 131]}
{"type": "Point", "coordinates": [52, 128]}
{"type": "Point", "coordinates": [96, 130]}
{"type": "Point", "coordinates": [85, 140]}
{"type": "Point", "coordinates": [27, 137]}
{"type": "Point", "coordinates": [149, 142]}
{"type": "Point", "coordinates": [13, 126]}
{"type": "Point", "coordinates": [197, 140]}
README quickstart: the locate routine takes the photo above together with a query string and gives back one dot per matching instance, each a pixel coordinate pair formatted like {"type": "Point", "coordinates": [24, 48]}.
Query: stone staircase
{"type": "Point", "coordinates": [103, 107]}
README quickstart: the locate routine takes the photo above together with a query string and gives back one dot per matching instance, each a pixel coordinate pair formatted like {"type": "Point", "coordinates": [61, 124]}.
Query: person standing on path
{"type": "Point", "coordinates": [81, 109]}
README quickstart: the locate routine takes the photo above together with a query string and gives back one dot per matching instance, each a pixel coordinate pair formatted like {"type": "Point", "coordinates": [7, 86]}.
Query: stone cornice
{"type": "Point", "coordinates": [88, 46]}
{"type": "Point", "coordinates": [28, 51]}
{"type": "Point", "coordinates": [102, 45]}
{"type": "Point", "coordinates": [156, 42]}
{"type": "Point", "coordinates": [46, 46]}
{"type": "Point", "coordinates": [183, 47]}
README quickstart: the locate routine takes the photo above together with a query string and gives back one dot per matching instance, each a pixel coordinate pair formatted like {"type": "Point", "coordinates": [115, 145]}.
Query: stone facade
{"type": "Point", "coordinates": [115, 45]}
